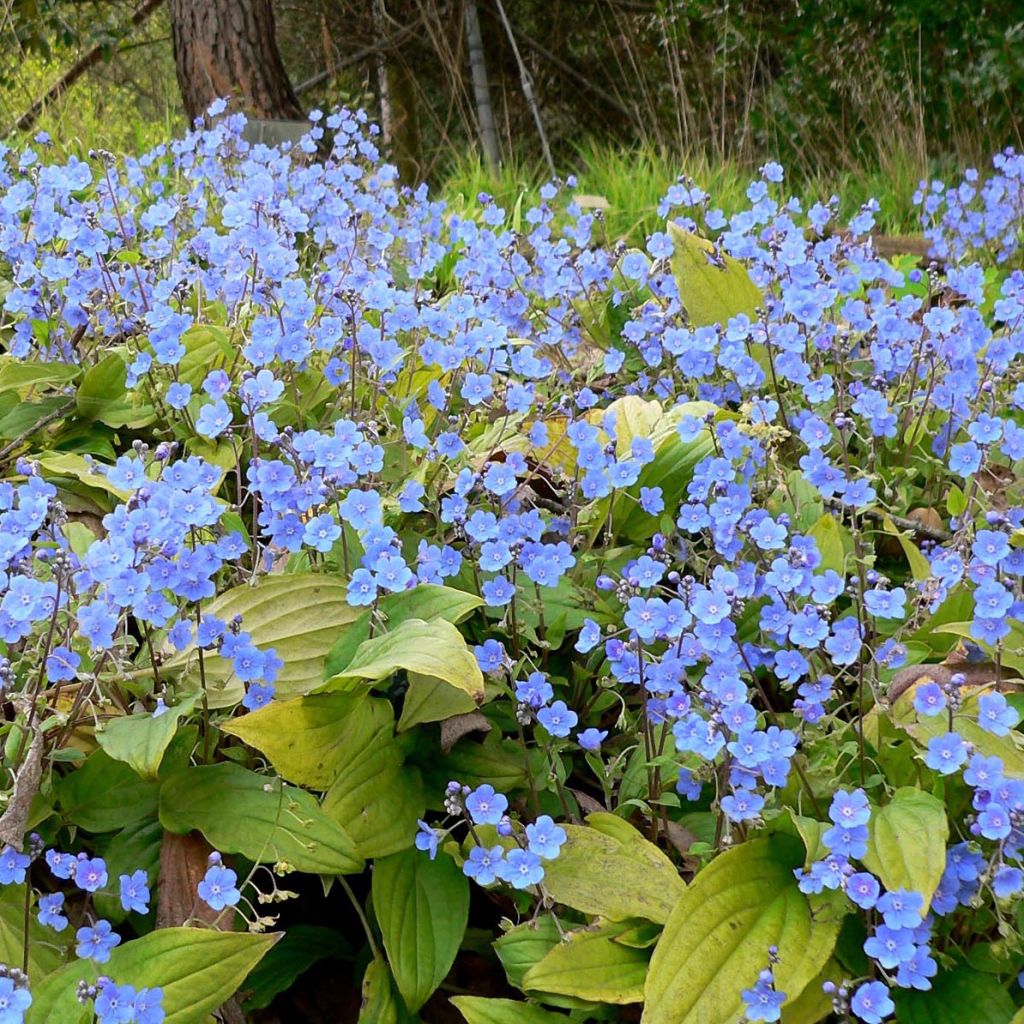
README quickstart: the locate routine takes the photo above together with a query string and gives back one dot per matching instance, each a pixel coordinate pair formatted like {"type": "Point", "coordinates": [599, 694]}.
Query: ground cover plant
{"type": "Point", "coordinates": [597, 633]}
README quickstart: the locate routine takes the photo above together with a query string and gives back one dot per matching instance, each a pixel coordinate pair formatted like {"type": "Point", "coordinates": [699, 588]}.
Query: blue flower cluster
{"type": "Point", "coordinates": [675, 519]}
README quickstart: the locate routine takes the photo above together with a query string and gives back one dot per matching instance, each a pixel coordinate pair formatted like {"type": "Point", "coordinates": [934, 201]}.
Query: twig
{"type": "Point", "coordinates": [360, 55]}
{"type": "Point", "coordinates": [527, 83]}
{"type": "Point", "coordinates": [38, 425]}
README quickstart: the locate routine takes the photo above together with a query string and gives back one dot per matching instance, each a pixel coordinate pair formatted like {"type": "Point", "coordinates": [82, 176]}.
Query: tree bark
{"type": "Point", "coordinates": [227, 48]}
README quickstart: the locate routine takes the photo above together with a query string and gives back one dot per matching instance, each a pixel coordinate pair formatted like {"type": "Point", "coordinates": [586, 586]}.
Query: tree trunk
{"type": "Point", "coordinates": [481, 88]}
{"type": "Point", "coordinates": [227, 48]}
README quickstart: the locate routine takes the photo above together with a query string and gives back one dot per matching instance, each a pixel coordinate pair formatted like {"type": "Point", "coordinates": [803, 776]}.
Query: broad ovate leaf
{"type": "Point", "coordinates": [647, 884]}
{"type": "Point", "coordinates": [715, 940]}
{"type": "Point", "coordinates": [435, 648]}
{"type": "Point", "coordinates": [480, 1010]}
{"type": "Point", "coordinates": [923, 728]}
{"type": "Point", "coordinates": [907, 843]}
{"type": "Point", "coordinates": [198, 970]}
{"type": "Point", "coordinates": [712, 286]}
{"type": "Point", "coordinates": [299, 615]}
{"type": "Point", "coordinates": [239, 811]}
{"type": "Point", "coordinates": [422, 906]}
{"type": "Point", "coordinates": [589, 964]}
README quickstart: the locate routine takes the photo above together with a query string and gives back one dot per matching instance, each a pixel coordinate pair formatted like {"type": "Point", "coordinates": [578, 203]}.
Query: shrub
{"type": "Point", "coordinates": [661, 608]}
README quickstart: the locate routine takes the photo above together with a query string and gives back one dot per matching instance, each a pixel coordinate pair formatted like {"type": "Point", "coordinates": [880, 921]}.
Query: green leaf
{"type": "Point", "coordinates": [299, 615]}
{"type": "Point", "coordinates": [104, 795]}
{"type": "Point", "coordinates": [140, 740]}
{"type": "Point", "coordinates": [376, 797]}
{"type": "Point", "coordinates": [714, 942]}
{"type": "Point", "coordinates": [434, 648]}
{"type": "Point", "coordinates": [479, 1010]}
{"type": "Point", "coordinates": [302, 946]}
{"type": "Point", "coordinates": [907, 843]}
{"type": "Point", "coordinates": [712, 292]}
{"type": "Point", "coordinates": [379, 1005]}
{"type": "Point", "coordinates": [647, 882]}
{"type": "Point", "coordinates": [956, 501]}
{"type": "Point", "coordinates": [43, 958]}
{"type": "Point", "coordinates": [589, 964]}
{"type": "Point", "coordinates": [102, 387]}
{"type": "Point", "coordinates": [956, 996]}
{"type": "Point", "coordinates": [207, 347]}
{"type": "Point", "coordinates": [920, 567]}
{"type": "Point", "coordinates": [343, 743]}
{"type": "Point", "coordinates": [671, 469]}
{"type": "Point", "coordinates": [422, 906]}
{"type": "Point", "coordinates": [432, 700]}
{"type": "Point", "coordinates": [17, 374]}
{"type": "Point", "coordinates": [525, 945]}
{"type": "Point", "coordinates": [197, 969]}
{"type": "Point", "coordinates": [427, 601]}
{"type": "Point", "coordinates": [257, 816]}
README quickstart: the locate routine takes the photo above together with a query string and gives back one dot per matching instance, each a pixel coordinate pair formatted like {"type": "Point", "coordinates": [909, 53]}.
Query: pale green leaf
{"type": "Point", "coordinates": [434, 648]}
{"type": "Point", "coordinates": [299, 615]}
{"type": "Point", "coordinates": [479, 1010]}
{"type": "Point", "coordinates": [713, 289]}
{"type": "Point", "coordinates": [907, 843]}
{"type": "Point", "coordinates": [589, 964]}
{"type": "Point", "coordinates": [379, 1005]}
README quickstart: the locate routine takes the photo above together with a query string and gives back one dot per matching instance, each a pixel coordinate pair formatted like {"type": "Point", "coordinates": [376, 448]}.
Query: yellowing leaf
{"type": "Point", "coordinates": [712, 292]}
{"type": "Point", "coordinates": [299, 615]}
{"type": "Point", "coordinates": [590, 965]}
{"type": "Point", "coordinates": [647, 883]}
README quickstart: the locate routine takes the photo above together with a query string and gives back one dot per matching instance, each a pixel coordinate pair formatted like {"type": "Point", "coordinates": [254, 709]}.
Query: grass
{"type": "Point", "coordinates": [633, 180]}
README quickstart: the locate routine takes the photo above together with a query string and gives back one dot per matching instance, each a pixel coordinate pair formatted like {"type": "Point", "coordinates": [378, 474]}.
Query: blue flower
{"type": "Point", "coordinates": [946, 753]}
{"type": "Point", "coordinates": [96, 943]}
{"type": "Point", "coordinates": [521, 869]}
{"type": "Point", "coordinates": [50, 907]}
{"type": "Point", "coordinates": [218, 889]}
{"type": "Point", "coordinates": [890, 946]}
{"type": "Point", "coordinates": [929, 699]}
{"type": "Point", "coordinates": [558, 719]}
{"type": "Point", "coordinates": [427, 839]}
{"type": "Point", "coordinates": [850, 809]}
{"type": "Point", "coordinates": [995, 714]}
{"type": "Point", "coordinates": [483, 864]}
{"type": "Point", "coordinates": [13, 866]}
{"type": "Point", "coordinates": [135, 892]}
{"type": "Point", "coordinates": [591, 739]}
{"type": "Point", "coordinates": [871, 1002]}
{"type": "Point", "coordinates": [115, 1004]}
{"type": "Point", "coordinates": [485, 806]}
{"type": "Point", "coordinates": [901, 908]}
{"type": "Point", "coordinates": [545, 838]}
{"type": "Point", "coordinates": [14, 1002]}
{"type": "Point", "coordinates": [862, 889]}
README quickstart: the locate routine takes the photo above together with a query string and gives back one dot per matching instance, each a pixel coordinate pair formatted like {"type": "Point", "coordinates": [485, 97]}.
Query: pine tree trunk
{"type": "Point", "coordinates": [228, 48]}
